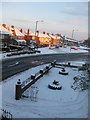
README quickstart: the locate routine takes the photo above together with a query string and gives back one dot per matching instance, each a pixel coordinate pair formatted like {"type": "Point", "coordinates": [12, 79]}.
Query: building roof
{"type": "Point", "coordinates": [42, 35]}
{"type": "Point", "coordinates": [70, 39]}
{"type": "Point", "coordinates": [31, 33]}
{"type": "Point", "coordinates": [57, 37]}
{"type": "Point", "coordinates": [4, 30]}
{"type": "Point", "coordinates": [17, 32]}
{"type": "Point", "coordinates": [39, 35]}
{"type": "Point", "coordinates": [52, 36]}
{"type": "Point", "coordinates": [23, 33]}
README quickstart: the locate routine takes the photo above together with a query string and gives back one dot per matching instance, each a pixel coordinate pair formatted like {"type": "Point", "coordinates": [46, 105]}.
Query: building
{"type": "Point", "coordinates": [42, 39]}
{"type": "Point", "coordinates": [38, 38]}
{"type": "Point", "coordinates": [54, 39]}
{"type": "Point", "coordinates": [11, 35]}
{"type": "Point", "coordinates": [5, 36]}
{"type": "Point", "coordinates": [70, 41]}
{"type": "Point", "coordinates": [16, 32]}
{"type": "Point", "coordinates": [29, 36]}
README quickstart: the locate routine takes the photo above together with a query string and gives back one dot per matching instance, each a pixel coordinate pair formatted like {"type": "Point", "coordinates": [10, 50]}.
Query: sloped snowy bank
{"type": "Point", "coordinates": [46, 50]}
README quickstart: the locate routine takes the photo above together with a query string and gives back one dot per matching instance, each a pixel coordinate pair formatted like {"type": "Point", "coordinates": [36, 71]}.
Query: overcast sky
{"type": "Point", "coordinates": [58, 17]}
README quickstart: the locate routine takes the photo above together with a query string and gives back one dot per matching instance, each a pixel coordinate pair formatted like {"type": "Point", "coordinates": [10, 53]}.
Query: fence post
{"type": "Point", "coordinates": [33, 76]}
{"type": "Point", "coordinates": [69, 64]}
{"type": "Point", "coordinates": [47, 69]}
{"type": "Point", "coordinates": [18, 90]}
{"type": "Point", "coordinates": [54, 63]}
{"type": "Point", "coordinates": [41, 71]}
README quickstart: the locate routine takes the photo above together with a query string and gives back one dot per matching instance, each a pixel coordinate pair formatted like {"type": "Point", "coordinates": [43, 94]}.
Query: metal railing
{"type": "Point", "coordinates": [21, 87]}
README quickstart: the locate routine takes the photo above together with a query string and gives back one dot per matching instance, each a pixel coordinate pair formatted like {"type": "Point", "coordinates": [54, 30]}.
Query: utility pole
{"type": "Point", "coordinates": [72, 33]}
{"type": "Point", "coordinates": [36, 27]}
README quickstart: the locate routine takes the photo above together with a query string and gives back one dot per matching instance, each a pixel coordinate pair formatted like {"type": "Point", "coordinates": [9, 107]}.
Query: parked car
{"type": "Point", "coordinates": [52, 47]}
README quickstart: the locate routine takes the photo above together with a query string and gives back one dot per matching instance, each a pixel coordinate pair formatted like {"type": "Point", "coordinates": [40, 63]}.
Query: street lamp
{"type": "Point", "coordinates": [36, 26]}
{"type": "Point", "coordinates": [73, 32]}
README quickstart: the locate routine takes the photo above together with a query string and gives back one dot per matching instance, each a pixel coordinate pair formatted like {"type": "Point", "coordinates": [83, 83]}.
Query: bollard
{"type": "Point", "coordinates": [33, 76]}
{"type": "Point", "coordinates": [52, 63]}
{"type": "Point", "coordinates": [18, 90]}
{"type": "Point", "coordinates": [41, 71]}
{"type": "Point", "coordinates": [47, 67]}
{"type": "Point", "coordinates": [68, 63]}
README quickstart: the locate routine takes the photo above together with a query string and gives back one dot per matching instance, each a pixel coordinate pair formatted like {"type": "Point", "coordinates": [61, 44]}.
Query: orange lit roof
{"type": "Point", "coordinates": [17, 32]}
{"type": "Point", "coordinates": [52, 36]}
{"type": "Point", "coordinates": [4, 30]}
{"type": "Point", "coordinates": [42, 35]}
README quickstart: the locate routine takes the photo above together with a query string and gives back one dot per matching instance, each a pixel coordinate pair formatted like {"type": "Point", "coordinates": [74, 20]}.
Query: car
{"type": "Point", "coordinates": [52, 47]}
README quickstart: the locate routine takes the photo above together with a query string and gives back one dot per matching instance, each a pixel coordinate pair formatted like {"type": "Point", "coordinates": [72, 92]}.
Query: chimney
{"type": "Point", "coordinates": [28, 31]}
{"type": "Point", "coordinates": [4, 25]}
{"type": "Point", "coordinates": [21, 30]}
{"type": "Point", "coordinates": [43, 32]}
{"type": "Point", "coordinates": [37, 31]}
{"type": "Point", "coordinates": [47, 33]}
{"type": "Point", "coordinates": [12, 26]}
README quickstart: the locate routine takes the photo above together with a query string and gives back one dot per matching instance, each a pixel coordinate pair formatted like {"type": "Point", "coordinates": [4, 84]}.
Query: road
{"type": "Point", "coordinates": [15, 65]}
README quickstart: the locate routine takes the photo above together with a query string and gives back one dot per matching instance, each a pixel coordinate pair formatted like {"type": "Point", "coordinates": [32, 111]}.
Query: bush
{"type": "Point", "coordinates": [82, 68]}
{"type": "Point", "coordinates": [56, 82]}
{"type": "Point", "coordinates": [9, 55]}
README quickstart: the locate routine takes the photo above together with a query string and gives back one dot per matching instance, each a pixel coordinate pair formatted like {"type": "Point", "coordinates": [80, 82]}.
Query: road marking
{"type": "Point", "coordinates": [13, 64]}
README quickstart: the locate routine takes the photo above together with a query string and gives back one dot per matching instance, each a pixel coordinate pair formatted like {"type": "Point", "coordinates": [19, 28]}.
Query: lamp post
{"type": "Point", "coordinates": [72, 36]}
{"type": "Point", "coordinates": [73, 32]}
{"type": "Point", "coordinates": [36, 27]}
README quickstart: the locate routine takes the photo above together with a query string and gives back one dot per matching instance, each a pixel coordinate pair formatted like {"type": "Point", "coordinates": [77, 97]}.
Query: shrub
{"type": "Point", "coordinates": [56, 82]}
{"type": "Point", "coordinates": [9, 55]}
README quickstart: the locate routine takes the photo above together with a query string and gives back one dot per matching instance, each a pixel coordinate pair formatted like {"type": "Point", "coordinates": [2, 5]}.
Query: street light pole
{"type": "Point", "coordinates": [72, 33]}
{"type": "Point", "coordinates": [36, 27]}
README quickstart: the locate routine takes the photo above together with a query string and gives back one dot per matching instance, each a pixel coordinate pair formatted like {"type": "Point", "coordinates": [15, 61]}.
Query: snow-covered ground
{"type": "Point", "coordinates": [46, 50]}
{"type": "Point", "coordinates": [65, 103]}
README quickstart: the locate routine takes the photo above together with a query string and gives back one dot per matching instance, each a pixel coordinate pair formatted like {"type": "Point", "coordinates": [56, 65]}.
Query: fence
{"type": "Point", "coordinates": [21, 87]}
{"type": "Point", "coordinates": [6, 115]}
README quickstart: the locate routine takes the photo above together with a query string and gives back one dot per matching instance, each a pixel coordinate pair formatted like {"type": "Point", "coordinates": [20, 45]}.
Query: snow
{"type": "Point", "coordinates": [46, 50]}
{"type": "Point", "coordinates": [20, 40]}
{"type": "Point", "coordinates": [42, 35]}
{"type": "Point", "coordinates": [18, 33]}
{"type": "Point", "coordinates": [65, 103]}
{"type": "Point", "coordinates": [4, 30]}
{"type": "Point", "coordinates": [69, 39]}
{"type": "Point", "coordinates": [52, 36]}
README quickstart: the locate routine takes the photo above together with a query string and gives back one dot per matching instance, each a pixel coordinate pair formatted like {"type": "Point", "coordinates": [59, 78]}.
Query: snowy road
{"type": "Point", "coordinates": [15, 65]}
